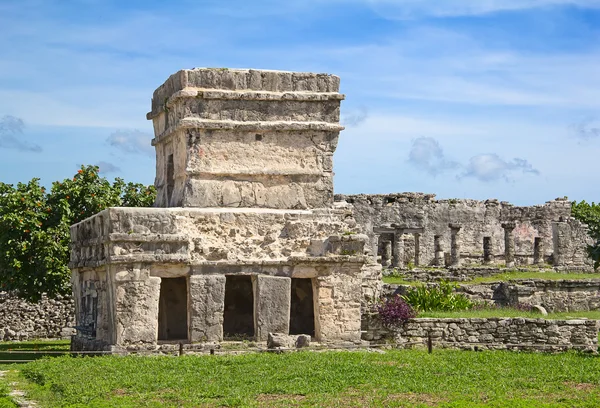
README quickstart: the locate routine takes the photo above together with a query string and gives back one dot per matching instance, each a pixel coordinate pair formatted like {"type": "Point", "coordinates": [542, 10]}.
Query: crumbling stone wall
{"type": "Point", "coordinates": [492, 333]}
{"type": "Point", "coordinates": [475, 221]}
{"type": "Point", "coordinates": [570, 240]}
{"type": "Point", "coordinates": [24, 320]}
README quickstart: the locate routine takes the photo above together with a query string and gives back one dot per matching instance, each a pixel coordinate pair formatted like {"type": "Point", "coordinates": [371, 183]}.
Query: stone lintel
{"type": "Point", "coordinates": [245, 95]}
{"type": "Point", "coordinates": [246, 126]}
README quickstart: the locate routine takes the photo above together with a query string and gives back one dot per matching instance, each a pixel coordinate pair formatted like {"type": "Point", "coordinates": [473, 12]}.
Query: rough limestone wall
{"type": "Point", "coordinates": [570, 240]}
{"type": "Point", "coordinates": [552, 295]}
{"type": "Point", "coordinates": [46, 319]}
{"type": "Point", "coordinates": [338, 297]}
{"type": "Point", "coordinates": [493, 333]}
{"type": "Point", "coordinates": [478, 219]}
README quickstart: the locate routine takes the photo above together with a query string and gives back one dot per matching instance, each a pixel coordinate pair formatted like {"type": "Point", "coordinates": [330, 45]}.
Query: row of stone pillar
{"type": "Point", "coordinates": [394, 256]}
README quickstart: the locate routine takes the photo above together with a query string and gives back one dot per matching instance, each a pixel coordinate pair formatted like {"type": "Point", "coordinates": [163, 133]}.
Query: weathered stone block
{"type": "Point", "coordinates": [207, 299]}
{"type": "Point", "coordinates": [272, 299]}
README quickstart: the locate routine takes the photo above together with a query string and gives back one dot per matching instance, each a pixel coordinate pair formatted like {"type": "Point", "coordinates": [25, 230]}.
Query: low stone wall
{"type": "Point", "coordinates": [46, 319]}
{"type": "Point", "coordinates": [493, 333]}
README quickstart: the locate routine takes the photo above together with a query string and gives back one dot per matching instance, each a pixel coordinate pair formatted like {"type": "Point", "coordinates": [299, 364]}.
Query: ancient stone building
{"type": "Point", "coordinates": [245, 238]}
{"type": "Point", "coordinates": [414, 229]}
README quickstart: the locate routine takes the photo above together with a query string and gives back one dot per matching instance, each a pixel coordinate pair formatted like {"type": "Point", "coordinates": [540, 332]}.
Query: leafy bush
{"type": "Point", "coordinates": [589, 214]}
{"type": "Point", "coordinates": [394, 311]}
{"type": "Point", "coordinates": [34, 226]}
{"type": "Point", "coordinates": [440, 297]}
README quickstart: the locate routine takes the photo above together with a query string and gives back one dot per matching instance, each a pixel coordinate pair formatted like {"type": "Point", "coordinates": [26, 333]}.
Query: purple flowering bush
{"type": "Point", "coordinates": [394, 311]}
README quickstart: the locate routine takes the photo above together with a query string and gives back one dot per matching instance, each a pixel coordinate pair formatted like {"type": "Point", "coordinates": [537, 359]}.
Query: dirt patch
{"type": "Point", "coordinates": [580, 386]}
{"type": "Point", "coordinates": [120, 392]}
{"type": "Point", "coordinates": [426, 399]}
{"type": "Point", "coordinates": [267, 398]}
{"type": "Point", "coordinates": [390, 363]}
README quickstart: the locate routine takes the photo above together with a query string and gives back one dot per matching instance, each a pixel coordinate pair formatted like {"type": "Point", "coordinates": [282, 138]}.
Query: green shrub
{"type": "Point", "coordinates": [34, 226]}
{"type": "Point", "coordinates": [440, 297]}
{"type": "Point", "coordinates": [589, 214]}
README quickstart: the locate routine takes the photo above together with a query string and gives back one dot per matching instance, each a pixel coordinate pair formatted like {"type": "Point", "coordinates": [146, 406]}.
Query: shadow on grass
{"type": "Point", "coordinates": [32, 350]}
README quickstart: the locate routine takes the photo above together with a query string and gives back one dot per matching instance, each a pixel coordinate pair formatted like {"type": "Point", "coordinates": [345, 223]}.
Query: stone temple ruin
{"type": "Point", "coordinates": [414, 229]}
{"type": "Point", "coordinates": [245, 238]}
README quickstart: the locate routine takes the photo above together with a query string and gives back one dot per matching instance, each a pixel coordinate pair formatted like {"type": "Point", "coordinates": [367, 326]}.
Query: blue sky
{"type": "Point", "coordinates": [462, 98]}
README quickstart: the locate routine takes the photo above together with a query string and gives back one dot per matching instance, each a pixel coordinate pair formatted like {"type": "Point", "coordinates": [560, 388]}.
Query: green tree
{"type": "Point", "coordinates": [589, 214]}
{"type": "Point", "coordinates": [34, 226]}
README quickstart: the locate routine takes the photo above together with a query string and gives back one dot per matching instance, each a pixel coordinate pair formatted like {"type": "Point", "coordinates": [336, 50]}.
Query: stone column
{"type": "Point", "coordinates": [386, 257]}
{"type": "Point", "coordinates": [455, 244]}
{"type": "Point", "coordinates": [538, 250]}
{"type": "Point", "coordinates": [207, 303]}
{"type": "Point", "coordinates": [488, 250]}
{"type": "Point", "coordinates": [375, 246]}
{"type": "Point", "coordinates": [272, 300]}
{"type": "Point", "coordinates": [417, 248]}
{"type": "Point", "coordinates": [509, 244]}
{"type": "Point", "coordinates": [136, 310]}
{"type": "Point", "coordinates": [398, 249]}
{"type": "Point", "coordinates": [438, 252]}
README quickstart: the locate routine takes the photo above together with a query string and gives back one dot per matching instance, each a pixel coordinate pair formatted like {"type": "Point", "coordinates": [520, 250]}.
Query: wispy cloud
{"type": "Point", "coordinates": [12, 136]}
{"type": "Point", "coordinates": [131, 142]}
{"type": "Point", "coordinates": [426, 154]}
{"type": "Point", "coordinates": [491, 167]}
{"type": "Point", "coordinates": [355, 117]}
{"type": "Point", "coordinates": [411, 9]}
{"type": "Point", "coordinates": [587, 129]}
{"type": "Point", "coordinates": [107, 167]}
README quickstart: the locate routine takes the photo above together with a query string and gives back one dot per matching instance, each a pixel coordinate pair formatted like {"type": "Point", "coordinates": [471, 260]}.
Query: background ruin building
{"type": "Point", "coordinates": [414, 229]}
{"type": "Point", "coordinates": [245, 238]}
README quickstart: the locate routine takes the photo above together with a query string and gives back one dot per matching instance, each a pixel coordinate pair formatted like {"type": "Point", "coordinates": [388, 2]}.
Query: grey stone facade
{"type": "Point", "coordinates": [411, 229]}
{"type": "Point", "coordinates": [246, 238]}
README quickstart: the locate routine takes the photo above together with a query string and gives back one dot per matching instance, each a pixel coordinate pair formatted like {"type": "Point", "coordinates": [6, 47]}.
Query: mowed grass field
{"type": "Point", "coordinates": [397, 378]}
{"type": "Point", "coordinates": [505, 276]}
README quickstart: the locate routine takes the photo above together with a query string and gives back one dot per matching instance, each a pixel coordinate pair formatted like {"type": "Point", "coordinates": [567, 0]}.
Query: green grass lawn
{"type": "Point", "coordinates": [510, 275]}
{"type": "Point", "coordinates": [445, 378]}
{"type": "Point", "coordinates": [510, 312]}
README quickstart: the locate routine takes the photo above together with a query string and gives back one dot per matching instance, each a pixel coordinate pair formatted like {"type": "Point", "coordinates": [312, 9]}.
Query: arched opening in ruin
{"type": "Point", "coordinates": [238, 315]}
{"type": "Point", "coordinates": [302, 309]}
{"type": "Point", "coordinates": [172, 309]}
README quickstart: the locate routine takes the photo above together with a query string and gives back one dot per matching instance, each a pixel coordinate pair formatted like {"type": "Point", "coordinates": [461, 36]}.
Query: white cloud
{"type": "Point", "coordinates": [131, 141]}
{"type": "Point", "coordinates": [426, 154]}
{"type": "Point", "coordinates": [490, 167]}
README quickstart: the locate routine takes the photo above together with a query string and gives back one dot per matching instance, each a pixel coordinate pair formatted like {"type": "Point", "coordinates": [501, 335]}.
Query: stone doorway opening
{"type": "Point", "coordinates": [238, 315]}
{"type": "Point", "coordinates": [302, 309]}
{"type": "Point", "coordinates": [172, 309]}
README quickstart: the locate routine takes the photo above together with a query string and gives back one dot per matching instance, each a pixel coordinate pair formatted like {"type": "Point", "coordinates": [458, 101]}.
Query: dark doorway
{"type": "Point", "coordinates": [170, 178]}
{"type": "Point", "coordinates": [302, 310]}
{"type": "Point", "coordinates": [172, 309]}
{"type": "Point", "coordinates": [238, 316]}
